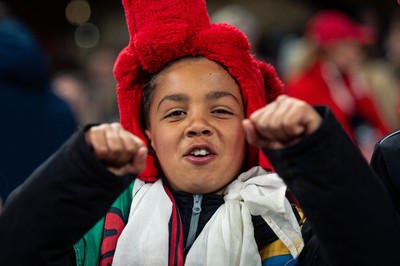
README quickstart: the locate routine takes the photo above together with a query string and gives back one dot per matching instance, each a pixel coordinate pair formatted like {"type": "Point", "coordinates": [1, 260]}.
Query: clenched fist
{"type": "Point", "coordinates": [121, 151]}
{"type": "Point", "coordinates": [281, 123]}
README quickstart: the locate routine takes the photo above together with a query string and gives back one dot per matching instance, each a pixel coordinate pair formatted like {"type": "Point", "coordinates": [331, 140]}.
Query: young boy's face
{"type": "Point", "coordinates": [195, 126]}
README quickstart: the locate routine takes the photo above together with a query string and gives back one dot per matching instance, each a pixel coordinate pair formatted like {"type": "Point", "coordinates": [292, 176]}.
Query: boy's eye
{"type": "Point", "coordinates": [175, 114]}
{"type": "Point", "coordinates": [221, 111]}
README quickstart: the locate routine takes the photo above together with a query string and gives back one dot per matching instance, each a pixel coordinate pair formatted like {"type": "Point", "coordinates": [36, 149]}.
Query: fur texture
{"type": "Point", "coordinates": [164, 30]}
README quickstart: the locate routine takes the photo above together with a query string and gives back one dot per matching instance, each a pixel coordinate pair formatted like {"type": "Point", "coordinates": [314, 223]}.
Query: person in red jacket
{"type": "Point", "coordinates": [335, 77]}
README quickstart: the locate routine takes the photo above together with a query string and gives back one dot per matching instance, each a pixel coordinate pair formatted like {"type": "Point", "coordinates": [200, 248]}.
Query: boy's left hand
{"type": "Point", "coordinates": [281, 123]}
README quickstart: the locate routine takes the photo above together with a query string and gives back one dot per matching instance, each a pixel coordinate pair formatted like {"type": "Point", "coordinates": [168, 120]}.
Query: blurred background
{"type": "Point", "coordinates": [71, 30]}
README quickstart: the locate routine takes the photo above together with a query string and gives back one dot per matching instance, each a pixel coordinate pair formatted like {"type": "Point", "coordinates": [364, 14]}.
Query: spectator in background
{"type": "Point", "coordinates": [35, 121]}
{"type": "Point", "coordinates": [392, 42]}
{"type": "Point", "coordinates": [392, 55]}
{"type": "Point", "coordinates": [242, 18]}
{"type": "Point", "coordinates": [379, 69]}
{"type": "Point", "coordinates": [71, 85]}
{"type": "Point", "coordinates": [89, 89]}
{"type": "Point", "coordinates": [333, 76]}
{"type": "Point", "coordinates": [103, 99]}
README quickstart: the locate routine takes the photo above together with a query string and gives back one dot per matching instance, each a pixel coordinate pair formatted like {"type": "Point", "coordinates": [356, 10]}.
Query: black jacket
{"type": "Point", "coordinates": [385, 161]}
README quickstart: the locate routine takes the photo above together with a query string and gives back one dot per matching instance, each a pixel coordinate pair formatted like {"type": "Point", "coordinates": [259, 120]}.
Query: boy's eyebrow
{"type": "Point", "coordinates": [219, 94]}
{"type": "Point", "coordinates": [179, 97]}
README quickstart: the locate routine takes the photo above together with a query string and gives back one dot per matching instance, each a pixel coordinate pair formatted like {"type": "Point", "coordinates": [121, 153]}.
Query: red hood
{"type": "Point", "coordinates": [165, 30]}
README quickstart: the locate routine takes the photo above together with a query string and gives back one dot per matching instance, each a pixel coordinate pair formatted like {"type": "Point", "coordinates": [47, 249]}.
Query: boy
{"type": "Point", "coordinates": [186, 175]}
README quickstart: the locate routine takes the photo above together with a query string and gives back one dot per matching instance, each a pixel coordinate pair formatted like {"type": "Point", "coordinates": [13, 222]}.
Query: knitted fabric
{"type": "Point", "coordinates": [165, 30]}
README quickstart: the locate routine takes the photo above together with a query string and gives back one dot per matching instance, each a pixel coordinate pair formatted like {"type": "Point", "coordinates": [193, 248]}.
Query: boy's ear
{"type": "Point", "coordinates": [148, 134]}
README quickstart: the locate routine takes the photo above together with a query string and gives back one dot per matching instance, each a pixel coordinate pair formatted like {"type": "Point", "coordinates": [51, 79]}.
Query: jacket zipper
{"type": "Point", "coordinates": [194, 221]}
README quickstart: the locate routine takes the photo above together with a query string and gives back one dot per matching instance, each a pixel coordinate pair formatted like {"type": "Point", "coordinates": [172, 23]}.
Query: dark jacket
{"type": "Point", "coordinates": [35, 122]}
{"type": "Point", "coordinates": [347, 205]}
{"type": "Point", "coordinates": [351, 219]}
{"type": "Point", "coordinates": [385, 161]}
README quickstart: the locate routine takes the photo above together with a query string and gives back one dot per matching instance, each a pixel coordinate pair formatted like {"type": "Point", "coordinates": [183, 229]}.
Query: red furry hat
{"type": "Point", "coordinates": [165, 30]}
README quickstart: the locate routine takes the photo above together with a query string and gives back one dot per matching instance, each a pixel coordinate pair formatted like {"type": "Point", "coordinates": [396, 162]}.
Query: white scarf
{"type": "Point", "coordinates": [227, 238]}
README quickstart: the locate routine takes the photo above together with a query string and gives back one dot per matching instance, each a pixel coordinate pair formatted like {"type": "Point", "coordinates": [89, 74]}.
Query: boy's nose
{"type": "Point", "coordinates": [199, 126]}
{"type": "Point", "coordinates": [194, 133]}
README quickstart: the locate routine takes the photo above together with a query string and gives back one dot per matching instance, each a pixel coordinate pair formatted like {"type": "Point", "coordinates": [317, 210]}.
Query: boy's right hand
{"type": "Point", "coordinates": [121, 151]}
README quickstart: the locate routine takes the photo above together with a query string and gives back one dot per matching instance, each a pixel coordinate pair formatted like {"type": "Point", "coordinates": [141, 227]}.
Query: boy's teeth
{"type": "Point", "coordinates": [201, 152]}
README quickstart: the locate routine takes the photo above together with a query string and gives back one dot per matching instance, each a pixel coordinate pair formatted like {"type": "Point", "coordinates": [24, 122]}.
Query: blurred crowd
{"type": "Point", "coordinates": [349, 61]}
{"type": "Point", "coordinates": [35, 122]}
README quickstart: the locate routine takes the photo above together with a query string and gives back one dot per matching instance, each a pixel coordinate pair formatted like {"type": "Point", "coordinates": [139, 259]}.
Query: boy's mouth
{"type": "Point", "coordinates": [199, 149]}
{"type": "Point", "coordinates": [200, 152]}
